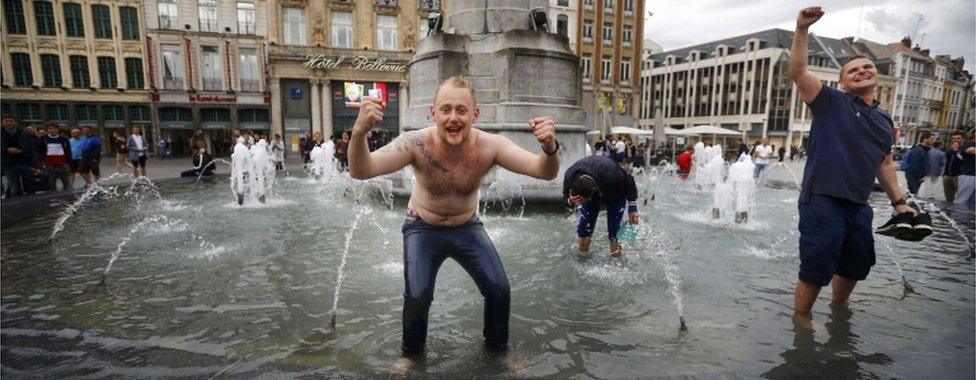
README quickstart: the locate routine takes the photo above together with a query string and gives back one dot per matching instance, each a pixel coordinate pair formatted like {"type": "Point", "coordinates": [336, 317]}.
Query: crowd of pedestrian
{"type": "Point", "coordinates": [932, 165]}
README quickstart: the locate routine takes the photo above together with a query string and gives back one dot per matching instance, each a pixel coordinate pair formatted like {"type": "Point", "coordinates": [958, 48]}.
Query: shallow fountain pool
{"type": "Point", "coordinates": [209, 288]}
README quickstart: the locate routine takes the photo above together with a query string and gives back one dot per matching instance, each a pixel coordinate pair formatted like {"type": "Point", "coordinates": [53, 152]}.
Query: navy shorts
{"type": "Point", "coordinates": [835, 238]}
{"type": "Point", "coordinates": [591, 209]}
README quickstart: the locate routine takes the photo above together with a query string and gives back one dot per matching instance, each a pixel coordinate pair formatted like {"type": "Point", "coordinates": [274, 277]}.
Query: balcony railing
{"type": "Point", "coordinates": [211, 84]}
{"type": "Point", "coordinates": [250, 85]}
{"type": "Point", "coordinates": [386, 3]}
{"type": "Point", "coordinates": [173, 83]}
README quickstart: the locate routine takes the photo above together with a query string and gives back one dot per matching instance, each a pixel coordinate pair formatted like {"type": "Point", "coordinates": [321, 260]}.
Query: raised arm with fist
{"type": "Point", "coordinates": [370, 114]}
{"type": "Point", "coordinates": [808, 16]}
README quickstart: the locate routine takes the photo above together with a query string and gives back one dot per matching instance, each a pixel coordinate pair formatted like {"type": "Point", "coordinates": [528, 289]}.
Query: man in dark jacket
{"type": "Point", "coordinates": [918, 162]}
{"type": "Point", "coordinates": [953, 165]}
{"type": "Point", "coordinates": [597, 180]}
{"type": "Point", "coordinates": [56, 155]}
{"type": "Point", "coordinates": [19, 160]}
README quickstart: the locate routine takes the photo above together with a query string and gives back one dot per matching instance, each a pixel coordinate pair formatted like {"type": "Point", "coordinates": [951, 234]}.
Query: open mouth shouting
{"type": "Point", "coordinates": [454, 130]}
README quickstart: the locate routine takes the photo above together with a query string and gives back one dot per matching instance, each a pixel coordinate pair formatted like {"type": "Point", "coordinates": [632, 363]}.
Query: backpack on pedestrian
{"type": "Point", "coordinates": [906, 159]}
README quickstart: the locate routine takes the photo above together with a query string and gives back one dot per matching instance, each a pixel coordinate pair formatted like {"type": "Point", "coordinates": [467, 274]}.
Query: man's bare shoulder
{"type": "Point", "coordinates": [405, 141]}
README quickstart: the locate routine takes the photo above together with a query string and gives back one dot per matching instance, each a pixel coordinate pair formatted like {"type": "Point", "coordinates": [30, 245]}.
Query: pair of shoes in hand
{"type": "Point", "coordinates": [907, 227]}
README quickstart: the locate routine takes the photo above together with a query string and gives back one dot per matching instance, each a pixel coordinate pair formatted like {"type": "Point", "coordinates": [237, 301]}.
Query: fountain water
{"type": "Point", "coordinates": [740, 174]}
{"type": "Point", "coordinates": [240, 162]}
{"type": "Point", "coordinates": [262, 170]}
{"type": "Point", "coordinates": [904, 281]}
{"type": "Point", "coordinates": [670, 270]}
{"type": "Point", "coordinates": [125, 240]}
{"type": "Point", "coordinates": [365, 210]}
{"type": "Point", "coordinates": [504, 193]}
{"type": "Point", "coordinates": [90, 193]}
{"type": "Point", "coordinates": [321, 163]}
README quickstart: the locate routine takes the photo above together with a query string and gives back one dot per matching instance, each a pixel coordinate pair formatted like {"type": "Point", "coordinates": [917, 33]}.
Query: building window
{"type": "Point", "coordinates": [250, 82]}
{"type": "Point", "coordinates": [80, 78]}
{"type": "Point", "coordinates": [342, 29]}
{"type": "Point", "coordinates": [430, 5]}
{"type": "Point", "coordinates": [607, 33]}
{"type": "Point", "coordinates": [625, 71]}
{"type": "Point", "coordinates": [252, 115]}
{"type": "Point", "coordinates": [29, 112]}
{"type": "Point", "coordinates": [139, 113]}
{"type": "Point", "coordinates": [168, 14]}
{"type": "Point", "coordinates": [133, 73]}
{"type": "Point", "coordinates": [207, 9]}
{"type": "Point", "coordinates": [74, 24]}
{"type": "Point", "coordinates": [608, 6]}
{"type": "Point", "coordinates": [57, 112]}
{"type": "Point", "coordinates": [215, 115]}
{"type": "Point", "coordinates": [51, 70]}
{"type": "Point", "coordinates": [628, 5]}
{"type": "Point", "coordinates": [44, 17]}
{"type": "Point", "coordinates": [113, 112]}
{"type": "Point", "coordinates": [172, 68]}
{"type": "Point", "coordinates": [86, 112]}
{"type": "Point", "coordinates": [294, 26]}
{"type": "Point", "coordinates": [211, 69]}
{"type": "Point", "coordinates": [175, 114]}
{"type": "Point", "coordinates": [245, 18]}
{"type": "Point", "coordinates": [129, 18]}
{"type": "Point", "coordinates": [102, 21]}
{"type": "Point", "coordinates": [562, 3]}
{"type": "Point", "coordinates": [627, 35]}
{"type": "Point", "coordinates": [586, 63]}
{"type": "Point", "coordinates": [562, 25]}
{"type": "Point", "coordinates": [106, 73]}
{"type": "Point", "coordinates": [13, 10]}
{"type": "Point", "coordinates": [20, 62]}
{"type": "Point", "coordinates": [588, 30]}
{"type": "Point", "coordinates": [386, 32]}
{"type": "Point", "coordinates": [588, 4]}
{"type": "Point", "coordinates": [605, 69]}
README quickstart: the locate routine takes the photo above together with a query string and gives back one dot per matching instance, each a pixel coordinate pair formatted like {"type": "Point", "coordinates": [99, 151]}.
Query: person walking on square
{"type": "Point", "coordinates": [762, 152]}
{"type": "Point", "coordinates": [966, 194]}
{"type": "Point", "coordinates": [933, 171]}
{"type": "Point", "coordinates": [850, 146]}
{"type": "Point", "coordinates": [915, 162]}
{"type": "Point", "coordinates": [19, 155]}
{"type": "Point", "coordinates": [278, 150]}
{"type": "Point", "coordinates": [56, 156]}
{"type": "Point", "coordinates": [449, 159]}
{"type": "Point", "coordinates": [953, 165]}
{"type": "Point", "coordinates": [121, 152]}
{"type": "Point", "coordinates": [597, 181]}
{"type": "Point", "coordinates": [138, 148]}
{"type": "Point", "coordinates": [91, 153]}
{"type": "Point", "coordinates": [75, 142]}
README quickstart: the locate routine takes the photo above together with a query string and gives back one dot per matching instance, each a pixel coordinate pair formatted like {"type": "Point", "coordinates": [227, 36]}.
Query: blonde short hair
{"type": "Point", "coordinates": [458, 82]}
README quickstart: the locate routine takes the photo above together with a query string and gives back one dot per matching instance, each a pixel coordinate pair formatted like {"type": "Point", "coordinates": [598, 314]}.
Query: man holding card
{"type": "Point", "coordinates": [449, 161]}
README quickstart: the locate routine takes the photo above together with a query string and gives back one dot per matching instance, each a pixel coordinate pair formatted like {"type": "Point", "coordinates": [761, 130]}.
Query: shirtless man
{"type": "Point", "coordinates": [449, 161]}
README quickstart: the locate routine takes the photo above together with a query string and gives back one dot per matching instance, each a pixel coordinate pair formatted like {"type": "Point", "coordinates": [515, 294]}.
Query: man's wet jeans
{"type": "Point", "coordinates": [425, 247]}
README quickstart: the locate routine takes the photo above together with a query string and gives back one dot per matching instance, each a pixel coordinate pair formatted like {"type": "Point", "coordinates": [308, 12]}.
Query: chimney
{"type": "Point", "coordinates": [925, 52]}
{"type": "Point", "coordinates": [907, 42]}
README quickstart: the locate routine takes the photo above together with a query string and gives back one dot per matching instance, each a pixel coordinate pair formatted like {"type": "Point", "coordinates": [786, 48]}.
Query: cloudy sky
{"type": "Point", "coordinates": [946, 27]}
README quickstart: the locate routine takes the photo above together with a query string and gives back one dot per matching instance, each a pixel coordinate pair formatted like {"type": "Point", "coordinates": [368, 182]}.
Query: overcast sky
{"type": "Point", "coordinates": [947, 26]}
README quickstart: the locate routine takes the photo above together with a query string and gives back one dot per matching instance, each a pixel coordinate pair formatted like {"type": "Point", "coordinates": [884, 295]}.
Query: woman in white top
{"type": "Point", "coordinates": [138, 148]}
{"type": "Point", "coordinates": [278, 149]}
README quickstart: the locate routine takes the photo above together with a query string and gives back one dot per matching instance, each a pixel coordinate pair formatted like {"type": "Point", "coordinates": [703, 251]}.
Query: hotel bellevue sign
{"type": "Point", "coordinates": [321, 62]}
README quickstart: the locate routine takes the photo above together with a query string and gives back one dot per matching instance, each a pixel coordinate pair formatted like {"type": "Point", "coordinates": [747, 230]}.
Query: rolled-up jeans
{"type": "Point", "coordinates": [425, 247]}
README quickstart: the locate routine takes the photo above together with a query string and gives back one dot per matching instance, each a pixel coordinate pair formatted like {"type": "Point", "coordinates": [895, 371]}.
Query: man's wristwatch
{"type": "Point", "coordinates": [900, 201]}
{"type": "Point", "coordinates": [554, 151]}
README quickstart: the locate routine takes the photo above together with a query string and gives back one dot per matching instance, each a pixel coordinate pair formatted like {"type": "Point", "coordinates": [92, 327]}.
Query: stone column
{"type": "Point", "coordinates": [277, 123]}
{"type": "Point", "coordinates": [326, 105]}
{"type": "Point", "coordinates": [316, 111]}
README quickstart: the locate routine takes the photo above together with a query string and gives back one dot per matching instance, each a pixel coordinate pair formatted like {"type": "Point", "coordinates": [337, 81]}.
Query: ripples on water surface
{"type": "Point", "coordinates": [217, 289]}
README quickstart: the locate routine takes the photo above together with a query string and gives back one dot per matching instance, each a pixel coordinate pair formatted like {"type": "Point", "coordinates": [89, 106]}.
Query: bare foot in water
{"type": "Point", "coordinates": [803, 321]}
{"type": "Point", "coordinates": [401, 367]}
{"type": "Point", "coordinates": [615, 249]}
{"type": "Point", "coordinates": [514, 366]}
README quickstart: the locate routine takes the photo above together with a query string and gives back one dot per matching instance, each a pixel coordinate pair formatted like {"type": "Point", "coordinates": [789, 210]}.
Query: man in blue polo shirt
{"type": "Point", "coordinates": [850, 144]}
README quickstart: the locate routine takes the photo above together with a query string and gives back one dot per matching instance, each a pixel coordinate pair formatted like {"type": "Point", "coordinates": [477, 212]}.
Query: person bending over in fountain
{"type": "Point", "coordinates": [851, 140]}
{"type": "Point", "coordinates": [449, 161]}
{"type": "Point", "coordinates": [597, 180]}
